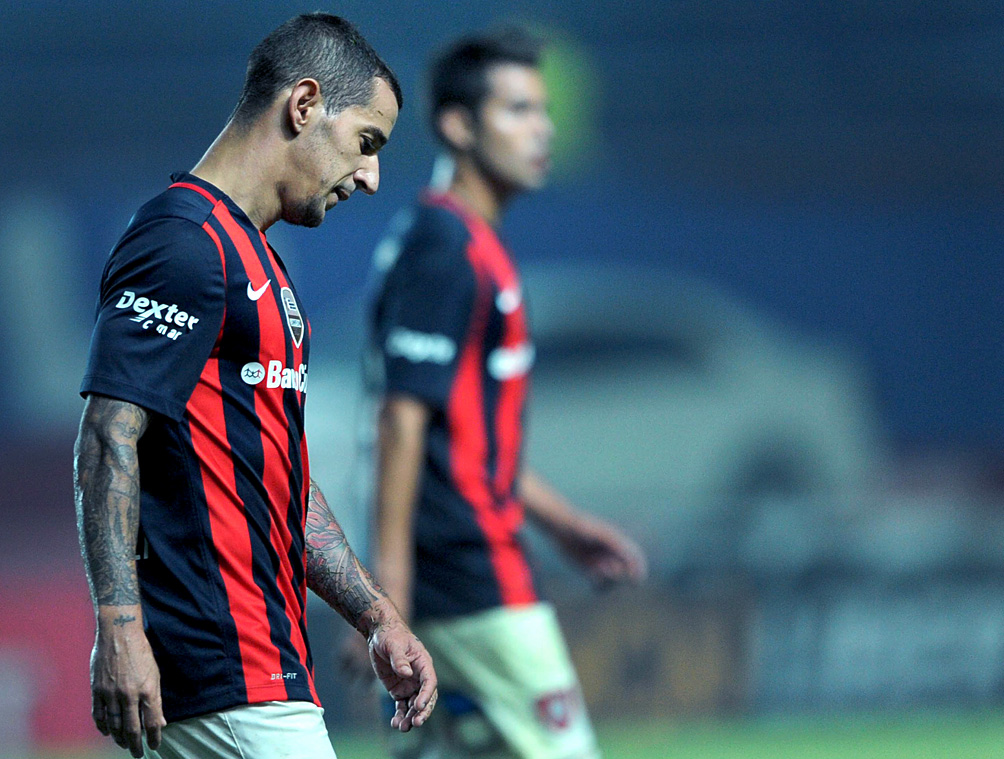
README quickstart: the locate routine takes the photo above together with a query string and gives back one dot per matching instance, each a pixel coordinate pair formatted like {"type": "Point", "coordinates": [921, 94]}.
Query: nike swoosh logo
{"type": "Point", "coordinates": [256, 294]}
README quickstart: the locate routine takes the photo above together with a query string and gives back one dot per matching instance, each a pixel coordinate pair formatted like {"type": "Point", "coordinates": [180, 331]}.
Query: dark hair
{"type": "Point", "coordinates": [316, 45]}
{"type": "Point", "coordinates": [459, 74]}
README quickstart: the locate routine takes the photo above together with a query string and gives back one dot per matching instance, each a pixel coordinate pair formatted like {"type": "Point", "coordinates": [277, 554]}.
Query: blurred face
{"type": "Point", "coordinates": [512, 133]}
{"type": "Point", "coordinates": [337, 156]}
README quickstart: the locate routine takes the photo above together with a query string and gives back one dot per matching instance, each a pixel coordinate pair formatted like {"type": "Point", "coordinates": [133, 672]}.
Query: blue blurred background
{"type": "Point", "coordinates": [768, 289]}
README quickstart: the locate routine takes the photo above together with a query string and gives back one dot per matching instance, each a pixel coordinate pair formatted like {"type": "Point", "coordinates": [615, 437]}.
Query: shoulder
{"type": "Point", "coordinates": [175, 218]}
{"type": "Point", "coordinates": [425, 250]}
{"type": "Point", "coordinates": [437, 237]}
{"type": "Point", "coordinates": [178, 203]}
{"type": "Point", "coordinates": [165, 240]}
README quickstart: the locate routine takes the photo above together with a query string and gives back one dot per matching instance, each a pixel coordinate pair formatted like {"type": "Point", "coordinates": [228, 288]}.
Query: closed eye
{"type": "Point", "coordinates": [370, 144]}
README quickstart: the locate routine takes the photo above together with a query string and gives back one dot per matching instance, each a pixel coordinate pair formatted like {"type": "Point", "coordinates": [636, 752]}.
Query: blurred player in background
{"type": "Point", "coordinates": [199, 524]}
{"type": "Point", "coordinates": [451, 358]}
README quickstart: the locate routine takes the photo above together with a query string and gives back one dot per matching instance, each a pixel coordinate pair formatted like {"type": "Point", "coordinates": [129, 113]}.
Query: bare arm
{"type": "Point", "coordinates": [402, 425]}
{"type": "Point", "coordinates": [333, 571]}
{"type": "Point", "coordinates": [125, 681]}
{"type": "Point", "coordinates": [336, 575]}
{"type": "Point", "coordinates": [602, 550]}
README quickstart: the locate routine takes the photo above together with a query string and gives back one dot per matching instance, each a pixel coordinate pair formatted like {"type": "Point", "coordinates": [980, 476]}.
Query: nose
{"type": "Point", "coordinates": [367, 176]}
{"type": "Point", "coordinates": [542, 125]}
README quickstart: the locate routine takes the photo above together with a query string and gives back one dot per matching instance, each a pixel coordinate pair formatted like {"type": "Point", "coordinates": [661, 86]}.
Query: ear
{"type": "Point", "coordinates": [456, 125]}
{"type": "Point", "coordinates": [303, 100]}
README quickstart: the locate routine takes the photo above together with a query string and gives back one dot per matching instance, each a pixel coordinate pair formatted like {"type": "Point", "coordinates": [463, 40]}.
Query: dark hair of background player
{"type": "Point", "coordinates": [318, 46]}
{"type": "Point", "coordinates": [459, 74]}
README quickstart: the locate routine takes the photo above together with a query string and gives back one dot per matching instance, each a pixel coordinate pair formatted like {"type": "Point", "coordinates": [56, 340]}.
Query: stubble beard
{"type": "Point", "coordinates": [306, 213]}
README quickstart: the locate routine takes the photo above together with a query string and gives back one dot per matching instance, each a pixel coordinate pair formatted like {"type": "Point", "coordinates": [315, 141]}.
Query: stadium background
{"type": "Point", "coordinates": [767, 283]}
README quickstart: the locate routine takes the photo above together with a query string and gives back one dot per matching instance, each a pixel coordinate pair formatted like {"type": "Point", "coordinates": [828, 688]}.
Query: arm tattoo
{"type": "Point", "coordinates": [333, 571]}
{"type": "Point", "coordinates": [106, 485]}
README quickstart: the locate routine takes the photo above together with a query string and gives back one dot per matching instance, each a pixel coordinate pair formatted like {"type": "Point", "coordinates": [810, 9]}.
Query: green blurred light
{"type": "Point", "coordinates": [574, 92]}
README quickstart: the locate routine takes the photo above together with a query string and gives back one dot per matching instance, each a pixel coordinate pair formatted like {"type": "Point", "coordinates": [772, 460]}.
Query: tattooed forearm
{"type": "Point", "coordinates": [106, 485]}
{"type": "Point", "coordinates": [333, 571]}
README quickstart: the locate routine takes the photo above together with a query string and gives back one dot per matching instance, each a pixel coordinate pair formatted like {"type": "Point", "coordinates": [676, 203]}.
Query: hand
{"type": "Point", "coordinates": [125, 684]}
{"type": "Point", "coordinates": [609, 556]}
{"type": "Point", "coordinates": [405, 669]}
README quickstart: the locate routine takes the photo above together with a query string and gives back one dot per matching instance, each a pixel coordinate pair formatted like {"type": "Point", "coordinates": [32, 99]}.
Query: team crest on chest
{"type": "Point", "coordinates": [293, 318]}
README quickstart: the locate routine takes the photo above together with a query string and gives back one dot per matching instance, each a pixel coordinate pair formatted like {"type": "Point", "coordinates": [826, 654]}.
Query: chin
{"type": "Point", "coordinates": [532, 184]}
{"type": "Point", "coordinates": [533, 179]}
{"type": "Point", "coordinates": [306, 215]}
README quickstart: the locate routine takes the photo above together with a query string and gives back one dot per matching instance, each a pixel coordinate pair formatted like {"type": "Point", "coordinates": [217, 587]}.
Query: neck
{"type": "Point", "coordinates": [478, 192]}
{"type": "Point", "coordinates": [239, 163]}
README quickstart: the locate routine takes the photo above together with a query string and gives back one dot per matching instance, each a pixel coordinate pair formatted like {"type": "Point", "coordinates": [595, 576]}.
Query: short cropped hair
{"type": "Point", "coordinates": [459, 74]}
{"type": "Point", "coordinates": [318, 46]}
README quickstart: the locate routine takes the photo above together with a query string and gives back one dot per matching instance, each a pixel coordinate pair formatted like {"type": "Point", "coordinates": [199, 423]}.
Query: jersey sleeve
{"type": "Point", "coordinates": [160, 310]}
{"type": "Point", "coordinates": [426, 319]}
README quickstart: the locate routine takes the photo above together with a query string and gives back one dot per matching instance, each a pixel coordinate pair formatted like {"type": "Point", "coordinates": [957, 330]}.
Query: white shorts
{"type": "Point", "coordinates": [507, 688]}
{"type": "Point", "coordinates": [269, 730]}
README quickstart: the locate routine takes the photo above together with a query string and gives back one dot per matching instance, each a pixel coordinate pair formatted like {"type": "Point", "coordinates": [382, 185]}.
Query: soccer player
{"type": "Point", "coordinates": [199, 524]}
{"type": "Point", "coordinates": [452, 354]}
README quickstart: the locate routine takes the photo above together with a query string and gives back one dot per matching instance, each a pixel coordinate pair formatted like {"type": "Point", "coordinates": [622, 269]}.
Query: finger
{"type": "Point", "coordinates": [632, 568]}
{"type": "Point", "coordinates": [415, 706]}
{"type": "Point", "coordinates": [611, 566]}
{"type": "Point", "coordinates": [640, 567]}
{"type": "Point", "coordinates": [414, 717]}
{"type": "Point", "coordinates": [410, 715]}
{"type": "Point", "coordinates": [606, 573]}
{"type": "Point", "coordinates": [425, 711]}
{"type": "Point", "coordinates": [634, 560]}
{"type": "Point", "coordinates": [99, 713]}
{"type": "Point", "coordinates": [427, 694]}
{"type": "Point", "coordinates": [115, 725]}
{"type": "Point", "coordinates": [398, 721]}
{"type": "Point", "coordinates": [626, 564]}
{"type": "Point", "coordinates": [153, 722]}
{"type": "Point", "coordinates": [132, 728]}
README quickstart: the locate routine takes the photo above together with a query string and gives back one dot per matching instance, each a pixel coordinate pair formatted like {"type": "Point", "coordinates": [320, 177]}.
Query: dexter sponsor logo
{"type": "Point", "coordinates": [150, 312]}
{"type": "Point", "coordinates": [276, 375]}
{"type": "Point", "coordinates": [419, 347]}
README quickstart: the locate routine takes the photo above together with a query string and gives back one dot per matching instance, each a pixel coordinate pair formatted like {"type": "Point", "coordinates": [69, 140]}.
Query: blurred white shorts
{"type": "Point", "coordinates": [507, 689]}
{"type": "Point", "coordinates": [269, 730]}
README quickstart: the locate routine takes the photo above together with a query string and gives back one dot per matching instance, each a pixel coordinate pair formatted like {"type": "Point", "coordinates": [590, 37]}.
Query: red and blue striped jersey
{"type": "Point", "coordinates": [449, 327]}
{"type": "Point", "coordinates": [199, 324]}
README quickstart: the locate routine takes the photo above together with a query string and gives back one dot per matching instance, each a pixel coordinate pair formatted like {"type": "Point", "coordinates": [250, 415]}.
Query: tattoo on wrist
{"type": "Point", "coordinates": [333, 571]}
{"type": "Point", "coordinates": [123, 619]}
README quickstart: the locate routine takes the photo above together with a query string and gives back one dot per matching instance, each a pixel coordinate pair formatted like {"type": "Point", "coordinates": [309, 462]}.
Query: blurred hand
{"type": "Point", "coordinates": [607, 555]}
{"type": "Point", "coordinates": [125, 686]}
{"type": "Point", "coordinates": [405, 669]}
{"type": "Point", "coordinates": [354, 660]}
